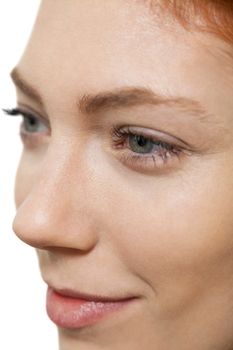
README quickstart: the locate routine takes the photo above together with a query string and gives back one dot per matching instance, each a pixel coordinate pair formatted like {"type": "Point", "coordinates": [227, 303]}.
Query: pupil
{"type": "Point", "coordinates": [30, 124]}
{"type": "Point", "coordinates": [32, 121]}
{"type": "Point", "coordinates": [141, 141]}
{"type": "Point", "coordinates": [140, 144]}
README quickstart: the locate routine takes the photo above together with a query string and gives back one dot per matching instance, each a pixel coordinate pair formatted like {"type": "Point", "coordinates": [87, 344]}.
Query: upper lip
{"type": "Point", "coordinates": [90, 297]}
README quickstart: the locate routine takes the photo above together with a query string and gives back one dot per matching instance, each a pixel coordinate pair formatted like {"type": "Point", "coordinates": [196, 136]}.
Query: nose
{"type": "Point", "coordinates": [58, 210]}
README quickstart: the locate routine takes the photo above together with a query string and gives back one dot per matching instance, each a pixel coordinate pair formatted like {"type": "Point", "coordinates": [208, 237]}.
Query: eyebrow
{"type": "Point", "coordinates": [124, 97]}
{"type": "Point", "coordinates": [26, 88]}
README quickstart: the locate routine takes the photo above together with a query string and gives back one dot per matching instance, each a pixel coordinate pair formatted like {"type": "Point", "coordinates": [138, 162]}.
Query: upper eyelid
{"type": "Point", "coordinates": [46, 121]}
{"type": "Point", "coordinates": [157, 135]}
{"type": "Point", "coordinates": [27, 111]}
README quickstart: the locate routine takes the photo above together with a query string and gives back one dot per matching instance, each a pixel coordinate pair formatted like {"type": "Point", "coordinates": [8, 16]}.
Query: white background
{"type": "Point", "coordinates": [23, 320]}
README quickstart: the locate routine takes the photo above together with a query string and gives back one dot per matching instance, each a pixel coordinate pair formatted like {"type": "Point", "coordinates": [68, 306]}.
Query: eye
{"type": "Point", "coordinates": [33, 129]}
{"type": "Point", "coordinates": [143, 145]}
{"type": "Point", "coordinates": [146, 150]}
{"type": "Point", "coordinates": [32, 124]}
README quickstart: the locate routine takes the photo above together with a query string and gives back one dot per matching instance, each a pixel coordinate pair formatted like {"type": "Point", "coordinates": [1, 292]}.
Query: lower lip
{"type": "Point", "coordinates": [69, 312]}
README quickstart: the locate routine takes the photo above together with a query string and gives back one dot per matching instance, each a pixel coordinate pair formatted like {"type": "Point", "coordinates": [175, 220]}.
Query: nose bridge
{"type": "Point", "coordinates": [63, 178]}
{"type": "Point", "coordinates": [57, 210]}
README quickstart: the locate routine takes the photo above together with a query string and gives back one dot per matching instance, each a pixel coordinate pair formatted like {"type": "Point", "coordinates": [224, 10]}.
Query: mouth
{"type": "Point", "coordinates": [73, 310]}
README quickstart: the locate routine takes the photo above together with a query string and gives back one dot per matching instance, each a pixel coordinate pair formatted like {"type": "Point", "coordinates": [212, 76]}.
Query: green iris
{"type": "Point", "coordinates": [140, 144]}
{"type": "Point", "coordinates": [31, 124]}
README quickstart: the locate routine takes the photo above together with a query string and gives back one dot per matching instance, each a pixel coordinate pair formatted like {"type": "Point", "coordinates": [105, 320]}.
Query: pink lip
{"type": "Point", "coordinates": [68, 309]}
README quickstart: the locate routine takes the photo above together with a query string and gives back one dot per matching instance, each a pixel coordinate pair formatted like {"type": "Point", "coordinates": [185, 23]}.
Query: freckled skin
{"type": "Point", "coordinates": [100, 226]}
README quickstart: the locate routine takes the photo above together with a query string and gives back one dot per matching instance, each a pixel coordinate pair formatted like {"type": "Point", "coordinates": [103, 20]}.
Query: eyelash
{"type": "Point", "coordinates": [27, 117]}
{"type": "Point", "coordinates": [163, 155]}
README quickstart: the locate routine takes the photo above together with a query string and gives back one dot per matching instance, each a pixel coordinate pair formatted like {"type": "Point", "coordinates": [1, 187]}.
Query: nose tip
{"type": "Point", "coordinates": [45, 220]}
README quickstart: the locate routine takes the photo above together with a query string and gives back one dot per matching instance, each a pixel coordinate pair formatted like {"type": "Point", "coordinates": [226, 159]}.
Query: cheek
{"type": "Point", "coordinates": [176, 233]}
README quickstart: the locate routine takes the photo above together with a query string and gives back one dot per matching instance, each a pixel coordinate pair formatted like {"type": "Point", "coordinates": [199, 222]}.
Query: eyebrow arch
{"type": "Point", "coordinates": [124, 97]}
{"type": "Point", "coordinates": [26, 88]}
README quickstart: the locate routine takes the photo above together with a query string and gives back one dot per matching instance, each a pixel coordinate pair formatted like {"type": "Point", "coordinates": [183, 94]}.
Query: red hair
{"type": "Point", "coordinates": [212, 16]}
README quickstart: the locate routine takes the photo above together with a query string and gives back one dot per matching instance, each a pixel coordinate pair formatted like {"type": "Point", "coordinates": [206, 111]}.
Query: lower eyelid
{"type": "Point", "coordinates": [148, 163]}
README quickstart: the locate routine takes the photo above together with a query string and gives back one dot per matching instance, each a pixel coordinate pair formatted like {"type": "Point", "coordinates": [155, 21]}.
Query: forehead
{"type": "Point", "coordinates": [80, 46]}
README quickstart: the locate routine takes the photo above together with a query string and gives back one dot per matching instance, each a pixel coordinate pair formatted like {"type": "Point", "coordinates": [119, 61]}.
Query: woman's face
{"type": "Point", "coordinates": [125, 182]}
